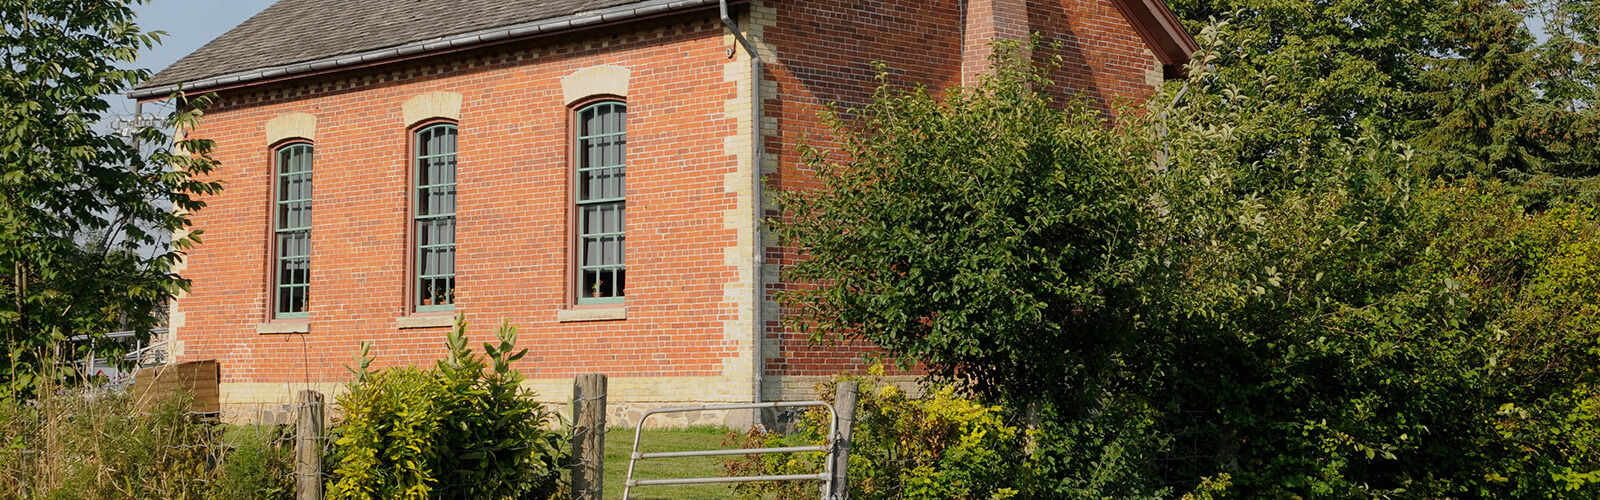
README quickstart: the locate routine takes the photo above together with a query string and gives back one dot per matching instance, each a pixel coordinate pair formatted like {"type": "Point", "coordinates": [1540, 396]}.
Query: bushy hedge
{"type": "Point", "coordinates": [463, 429]}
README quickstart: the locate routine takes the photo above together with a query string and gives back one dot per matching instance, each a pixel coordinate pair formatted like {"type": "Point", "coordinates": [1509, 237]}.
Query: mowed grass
{"type": "Point", "coordinates": [619, 444]}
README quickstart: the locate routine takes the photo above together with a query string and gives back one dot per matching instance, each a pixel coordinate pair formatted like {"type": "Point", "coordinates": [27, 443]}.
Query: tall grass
{"type": "Point", "coordinates": [77, 444]}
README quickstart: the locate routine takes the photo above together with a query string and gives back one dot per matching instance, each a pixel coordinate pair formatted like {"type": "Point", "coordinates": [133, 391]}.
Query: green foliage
{"type": "Point", "coordinates": [959, 230]}
{"type": "Point", "coordinates": [386, 442]}
{"type": "Point", "coordinates": [942, 446]}
{"type": "Point", "coordinates": [1115, 452]}
{"type": "Point", "coordinates": [465, 429]}
{"type": "Point", "coordinates": [1367, 330]}
{"type": "Point", "coordinates": [1266, 306]}
{"type": "Point", "coordinates": [80, 209]}
{"type": "Point", "coordinates": [1481, 88]}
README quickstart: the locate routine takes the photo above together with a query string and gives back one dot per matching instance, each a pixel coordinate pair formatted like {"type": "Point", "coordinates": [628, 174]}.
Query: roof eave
{"type": "Point", "coordinates": [1162, 31]}
{"type": "Point", "coordinates": [544, 27]}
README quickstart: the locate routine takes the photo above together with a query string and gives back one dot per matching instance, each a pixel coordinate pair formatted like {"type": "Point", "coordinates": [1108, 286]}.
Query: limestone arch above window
{"type": "Point", "coordinates": [292, 126]}
{"type": "Point", "coordinates": [432, 106]}
{"type": "Point", "coordinates": [594, 81]}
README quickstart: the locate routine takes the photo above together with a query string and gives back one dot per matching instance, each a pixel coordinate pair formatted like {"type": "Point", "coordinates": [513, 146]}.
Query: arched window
{"type": "Point", "coordinates": [291, 276]}
{"type": "Point", "coordinates": [434, 218]}
{"type": "Point", "coordinates": [601, 204]}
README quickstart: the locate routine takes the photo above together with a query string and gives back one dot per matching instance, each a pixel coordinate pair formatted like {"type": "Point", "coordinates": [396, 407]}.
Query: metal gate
{"type": "Point", "coordinates": [827, 447]}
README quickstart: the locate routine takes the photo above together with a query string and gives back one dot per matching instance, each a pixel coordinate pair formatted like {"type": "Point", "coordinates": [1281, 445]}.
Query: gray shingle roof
{"type": "Point", "coordinates": [298, 31]}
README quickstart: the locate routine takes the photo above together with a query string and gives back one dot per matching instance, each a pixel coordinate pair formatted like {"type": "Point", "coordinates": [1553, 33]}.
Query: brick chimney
{"type": "Point", "coordinates": [988, 21]}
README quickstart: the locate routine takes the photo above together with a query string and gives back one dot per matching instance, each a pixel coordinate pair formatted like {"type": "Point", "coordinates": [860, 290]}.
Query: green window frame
{"type": "Point", "coordinates": [601, 202]}
{"type": "Point", "coordinates": [434, 218]}
{"type": "Point", "coordinates": [292, 232]}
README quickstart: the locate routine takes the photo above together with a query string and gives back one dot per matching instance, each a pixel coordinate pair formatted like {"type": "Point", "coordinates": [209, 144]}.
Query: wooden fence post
{"type": "Point", "coordinates": [308, 447]}
{"type": "Point", "coordinates": [1030, 425]}
{"type": "Point", "coordinates": [588, 436]}
{"type": "Point", "coordinates": [1030, 429]}
{"type": "Point", "coordinates": [844, 402]}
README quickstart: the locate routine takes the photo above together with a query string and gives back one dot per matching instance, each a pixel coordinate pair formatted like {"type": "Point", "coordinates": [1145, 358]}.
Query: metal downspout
{"type": "Point", "coordinates": [756, 154]}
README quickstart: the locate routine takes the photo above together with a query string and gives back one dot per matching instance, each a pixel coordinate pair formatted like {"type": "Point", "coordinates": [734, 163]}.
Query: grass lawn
{"type": "Point", "coordinates": [619, 443]}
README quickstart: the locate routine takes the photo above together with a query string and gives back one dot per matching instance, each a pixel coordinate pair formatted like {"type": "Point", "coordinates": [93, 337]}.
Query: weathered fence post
{"type": "Point", "coordinates": [308, 447]}
{"type": "Point", "coordinates": [1030, 423]}
{"type": "Point", "coordinates": [844, 402]}
{"type": "Point", "coordinates": [588, 436]}
{"type": "Point", "coordinates": [1030, 429]}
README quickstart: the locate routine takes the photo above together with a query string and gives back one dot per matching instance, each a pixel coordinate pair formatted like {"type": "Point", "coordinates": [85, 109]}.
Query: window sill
{"type": "Point", "coordinates": [281, 327]}
{"type": "Point", "coordinates": [609, 313]}
{"type": "Point", "coordinates": [425, 321]}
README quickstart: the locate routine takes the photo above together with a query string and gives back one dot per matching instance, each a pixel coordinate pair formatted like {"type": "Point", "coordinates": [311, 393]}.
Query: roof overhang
{"type": "Point", "coordinates": [1162, 31]}
{"type": "Point", "coordinates": [503, 34]}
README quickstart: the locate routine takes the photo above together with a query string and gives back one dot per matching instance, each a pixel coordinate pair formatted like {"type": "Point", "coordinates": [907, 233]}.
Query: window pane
{"type": "Point", "coordinates": [614, 186]}
{"type": "Point", "coordinates": [613, 246]}
{"type": "Point", "coordinates": [591, 251]}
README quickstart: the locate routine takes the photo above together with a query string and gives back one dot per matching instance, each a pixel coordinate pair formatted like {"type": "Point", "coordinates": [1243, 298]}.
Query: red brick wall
{"type": "Point", "coordinates": [825, 51]}
{"type": "Point", "coordinates": [513, 234]}
{"type": "Point", "coordinates": [1102, 58]}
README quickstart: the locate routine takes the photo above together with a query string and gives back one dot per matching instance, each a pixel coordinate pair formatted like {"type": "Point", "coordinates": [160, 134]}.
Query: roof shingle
{"type": "Point", "coordinates": [295, 31]}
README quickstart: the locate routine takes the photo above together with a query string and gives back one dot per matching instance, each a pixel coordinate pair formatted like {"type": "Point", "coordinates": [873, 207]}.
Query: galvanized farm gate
{"type": "Point", "coordinates": [837, 447]}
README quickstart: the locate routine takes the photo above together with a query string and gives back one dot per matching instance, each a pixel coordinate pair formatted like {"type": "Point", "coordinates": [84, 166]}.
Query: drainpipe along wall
{"type": "Point", "coordinates": [757, 210]}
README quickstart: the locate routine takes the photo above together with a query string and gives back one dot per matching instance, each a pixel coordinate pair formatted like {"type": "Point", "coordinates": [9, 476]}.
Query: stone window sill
{"type": "Point", "coordinates": [281, 327]}
{"type": "Point", "coordinates": [429, 321]}
{"type": "Point", "coordinates": [592, 314]}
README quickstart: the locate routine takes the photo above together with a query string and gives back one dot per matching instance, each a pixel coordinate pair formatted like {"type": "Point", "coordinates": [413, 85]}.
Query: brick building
{"type": "Point", "coordinates": [590, 170]}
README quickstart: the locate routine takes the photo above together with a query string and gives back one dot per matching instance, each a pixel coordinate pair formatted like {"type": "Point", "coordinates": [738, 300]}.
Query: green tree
{"type": "Point", "coordinates": [1367, 329]}
{"type": "Point", "coordinates": [963, 231]}
{"type": "Point", "coordinates": [80, 210]}
{"type": "Point", "coordinates": [1466, 82]}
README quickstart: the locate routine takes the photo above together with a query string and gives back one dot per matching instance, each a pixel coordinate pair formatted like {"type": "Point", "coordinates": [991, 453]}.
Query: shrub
{"type": "Point", "coordinates": [1112, 453]}
{"type": "Point", "coordinates": [942, 446]}
{"type": "Point", "coordinates": [465, 429]}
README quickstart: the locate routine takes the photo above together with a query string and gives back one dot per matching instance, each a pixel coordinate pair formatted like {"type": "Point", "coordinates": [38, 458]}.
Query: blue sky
{"type": "Point", "coordinates": [189, 24]}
